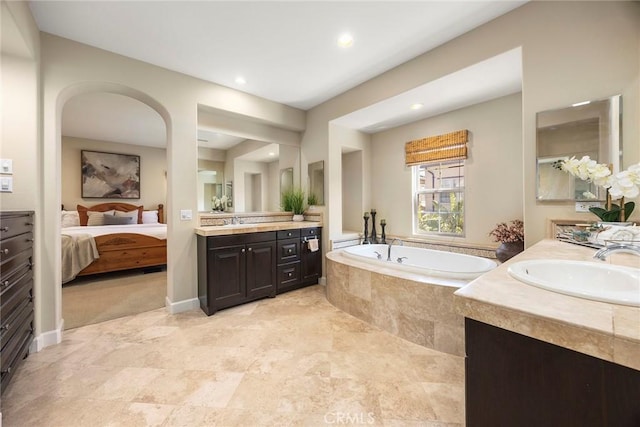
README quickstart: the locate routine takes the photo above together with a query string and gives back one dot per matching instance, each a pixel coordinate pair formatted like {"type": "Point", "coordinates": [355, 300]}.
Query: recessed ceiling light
{"type": "Point", "coordinates": [345, 40]}
{"type": "Point", "coordinates": [240, 80]}
{"type": "Point", "coordinates": [416, 106]}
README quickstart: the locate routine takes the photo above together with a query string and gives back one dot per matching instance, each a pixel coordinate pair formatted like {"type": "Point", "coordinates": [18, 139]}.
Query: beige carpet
{"type": "Point", "coordinates": [92, 300]}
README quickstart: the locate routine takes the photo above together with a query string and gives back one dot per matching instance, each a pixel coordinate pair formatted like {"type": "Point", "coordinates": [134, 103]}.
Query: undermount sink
{"type": "Point", "coordinates": [584, 279]}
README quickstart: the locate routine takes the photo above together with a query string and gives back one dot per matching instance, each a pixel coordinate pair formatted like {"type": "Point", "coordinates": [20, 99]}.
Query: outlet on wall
{"type": "Point", "coordinates": [584, 206]}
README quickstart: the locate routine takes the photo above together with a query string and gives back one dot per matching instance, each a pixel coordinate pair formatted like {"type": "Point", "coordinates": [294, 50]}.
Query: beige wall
{"type": "Point", "coordinates": [153, 165]}
{"type": "Point", "coordinates": [571, 51]}
{"type": "Point", "coordinates": [493, 173]}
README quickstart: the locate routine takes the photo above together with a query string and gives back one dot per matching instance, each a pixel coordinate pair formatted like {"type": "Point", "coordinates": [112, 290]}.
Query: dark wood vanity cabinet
{"type": "Point", "coordinates": [238, 268]}
{"type": "Point", "coordinates": [16, 291]}
{"type": "Point", "coordinates": [235, 269]}
{"type": "Point", "coordinates": [514, 380]}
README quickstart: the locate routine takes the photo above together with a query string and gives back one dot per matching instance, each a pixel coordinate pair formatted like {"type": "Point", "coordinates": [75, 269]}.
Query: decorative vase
{"type": "Point", "coordinates": [298, 217]}
{"type": "Point", "coordinates": [508, 250]}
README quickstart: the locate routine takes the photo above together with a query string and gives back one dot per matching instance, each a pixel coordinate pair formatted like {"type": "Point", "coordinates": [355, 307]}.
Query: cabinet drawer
{"type": "Point", "coordinates": [15, 322]}
{"type": "Point", "coordinates": [311, 232]}
{"type": "Point", "coordinates": [14, 245]}
{"type": "Point", "coordinates": [16, 350]}
{"type": "Point", "coordinates": [288, 275]}
{"type": "Point", "coordinates": [12, 266]}
{"type": "Point", "coordinates": [240, 239]}
{"type": "Point", "coordinates": [288, 250]}
{"type": "Point", "coordinates": [15, 293]}
{"type": "Point", "coordinates": [288, 234]}
{"type": "Point", "coordinates": [13, 225]}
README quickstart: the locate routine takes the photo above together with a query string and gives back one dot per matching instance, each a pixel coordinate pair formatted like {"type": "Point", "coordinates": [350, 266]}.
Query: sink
{"type": "Point", "coordinates": [583, 279]}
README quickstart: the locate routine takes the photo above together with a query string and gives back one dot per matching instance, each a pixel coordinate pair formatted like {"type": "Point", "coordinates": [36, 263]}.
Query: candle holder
{"type": "Point", "coordinates": [383, 236]}
{"type": "Point", "coordinates": [374, 237]}
{"type": "Point", "coordinates": [365, 240]}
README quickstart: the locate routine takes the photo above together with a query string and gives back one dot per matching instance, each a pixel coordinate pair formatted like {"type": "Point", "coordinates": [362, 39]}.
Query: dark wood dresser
{"type": "Point", "coordinates": [16, 291]}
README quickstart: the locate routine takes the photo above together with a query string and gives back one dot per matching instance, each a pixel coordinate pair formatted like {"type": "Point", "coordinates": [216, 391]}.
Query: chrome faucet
{"type": "Point", "coordinates": [629, 248]}
{"type": "Point", "coordinates": [389, 248]}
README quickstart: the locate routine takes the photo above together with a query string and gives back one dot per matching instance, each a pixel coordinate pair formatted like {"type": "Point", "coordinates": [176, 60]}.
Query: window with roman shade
{"type": "Point", "coordinates": [440, 148]}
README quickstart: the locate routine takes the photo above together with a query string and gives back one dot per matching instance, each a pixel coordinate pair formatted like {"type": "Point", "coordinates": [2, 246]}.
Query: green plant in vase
{"type": "Point", "coordinates": [293, 200]}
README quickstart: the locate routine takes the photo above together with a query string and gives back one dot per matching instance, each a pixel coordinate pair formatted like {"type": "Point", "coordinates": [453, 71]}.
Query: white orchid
{"type": "Point", "coordinates": [622, 184]}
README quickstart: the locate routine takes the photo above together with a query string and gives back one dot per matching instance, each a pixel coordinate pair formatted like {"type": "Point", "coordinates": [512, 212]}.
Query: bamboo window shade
{"type": "Point", "coordinates": [449, 146]}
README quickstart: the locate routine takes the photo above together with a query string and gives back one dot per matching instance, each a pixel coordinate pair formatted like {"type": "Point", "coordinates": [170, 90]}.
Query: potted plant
{"type": "Point", "coordinates": [511, 237]}
{"type": "Point", "coordinates": [293, 201]}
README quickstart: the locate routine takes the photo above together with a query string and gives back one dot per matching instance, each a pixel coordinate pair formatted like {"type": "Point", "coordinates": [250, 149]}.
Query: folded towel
{"type": "Point", "coordinates": [615, 233]}
{"type": "Point", "coordinates": [313, 245]}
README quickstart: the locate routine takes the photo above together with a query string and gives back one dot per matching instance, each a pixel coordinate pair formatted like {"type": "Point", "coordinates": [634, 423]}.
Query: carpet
{"type": "Point", "coordinates": [88, 300]}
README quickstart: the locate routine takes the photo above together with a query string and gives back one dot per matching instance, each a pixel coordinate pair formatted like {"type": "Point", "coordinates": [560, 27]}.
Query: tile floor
{"type": "Point", "coordinates": [292, 360]}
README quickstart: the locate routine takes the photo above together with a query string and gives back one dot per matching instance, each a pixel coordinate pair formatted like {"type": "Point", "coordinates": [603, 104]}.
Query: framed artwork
{"type": "Point", "coordinates": [110, 175]}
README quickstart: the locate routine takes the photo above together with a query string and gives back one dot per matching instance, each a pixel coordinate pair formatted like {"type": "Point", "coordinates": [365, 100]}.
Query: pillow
{"type": "Point", "coordinates": [70, 219]}
{"type": "Point", "coordinates": [97, 218]}
{"type": "Point", "coordinates": [150, 217]}
{"type": "Point", "coordinates": [118, 219]}
{"type": "Point", "coordinates": [131, 214]}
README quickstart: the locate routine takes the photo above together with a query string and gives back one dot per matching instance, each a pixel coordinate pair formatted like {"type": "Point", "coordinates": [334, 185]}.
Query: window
{"type": "Point", "coordinates": [439, 198]}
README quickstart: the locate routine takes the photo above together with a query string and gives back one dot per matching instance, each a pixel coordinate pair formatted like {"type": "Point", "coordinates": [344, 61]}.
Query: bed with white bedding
{"type": "Point", "coordinates": [89, 249]}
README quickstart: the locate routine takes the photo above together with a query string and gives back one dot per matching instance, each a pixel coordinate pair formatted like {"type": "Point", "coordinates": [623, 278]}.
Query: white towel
{"type": "Point", "coordinates": [313, 245]}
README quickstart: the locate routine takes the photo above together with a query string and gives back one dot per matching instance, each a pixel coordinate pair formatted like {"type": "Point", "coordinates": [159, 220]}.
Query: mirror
{"type": "Point", "coordinates": [589, 128]}
{"type": "Point", "coordinates": [286, 180]}
{"type": "Point", "coordinates": [315, 175]}
{"type": "Point", "coordinates": [249, 172]}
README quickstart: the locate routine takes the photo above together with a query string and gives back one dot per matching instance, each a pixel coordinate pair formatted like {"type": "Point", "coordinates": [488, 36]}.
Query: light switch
{"type": "Point", "coordinates": [6, 184]}
{"type": "Point", "coordinates": [186, 215]}
{"type": "Point", "coordinates": [6, 166]}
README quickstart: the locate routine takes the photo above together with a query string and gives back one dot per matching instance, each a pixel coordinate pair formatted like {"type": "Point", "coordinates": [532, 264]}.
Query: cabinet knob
{"type": "Point", "coordinates": [312, 232]}
{"type": "Point", "coordinates": [289, 234]}
{"type": "Point", "coordinates": [7, 371]}
{"type": "Point", "coordinates": [289, 251]}
{"type": "Point", "coordinates": [5, 251]}
{"type": "Point", "coordinates": [4, 228]}
{"type": "Point", "coordinates": [290, 274]}
{"type": "Point", "coordinates": [243, 250]}
{"type": "Point", "coordinates": [5, 283]}
{"type": "Point", "coordinates": [6, 327]}
{"type": "Point", "coordinates": [250, 249]}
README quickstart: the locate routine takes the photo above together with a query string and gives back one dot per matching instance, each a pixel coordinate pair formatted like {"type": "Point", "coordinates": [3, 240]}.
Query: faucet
{"type": "Point", "coordinates": [629, 248]}
{"type": "Point", "coordinates": [389, 248]}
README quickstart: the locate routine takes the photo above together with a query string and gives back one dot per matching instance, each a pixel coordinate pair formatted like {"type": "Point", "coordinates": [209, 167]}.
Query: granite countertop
{"type": "Point", "coordinates": [607, 331]}
{"type": "Point", "coordinates": [224, 230]}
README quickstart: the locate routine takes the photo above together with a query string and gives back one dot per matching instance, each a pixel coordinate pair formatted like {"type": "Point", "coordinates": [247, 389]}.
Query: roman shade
{"type": "Point", "coordinates": [449, 146]}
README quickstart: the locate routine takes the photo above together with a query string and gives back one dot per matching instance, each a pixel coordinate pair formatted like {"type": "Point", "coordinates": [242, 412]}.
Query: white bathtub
{"type": "Point", "coordinates": [423, 261]}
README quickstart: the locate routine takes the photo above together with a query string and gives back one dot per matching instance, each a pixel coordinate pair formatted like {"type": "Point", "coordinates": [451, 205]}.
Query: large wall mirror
{"type": "Point", "coordinates": [247, 171]}
{"type": "Point", "coordinates": [315, 173]}
{"type": "Point", "coordinates": [585, 129]}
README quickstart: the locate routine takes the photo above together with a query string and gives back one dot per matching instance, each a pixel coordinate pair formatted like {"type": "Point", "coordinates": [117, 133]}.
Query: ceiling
{"type": "Point", "coordinates": [286, 51]}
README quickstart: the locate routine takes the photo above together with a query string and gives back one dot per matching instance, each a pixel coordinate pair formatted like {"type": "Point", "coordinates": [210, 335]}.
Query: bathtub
{"type": "Point", "coordinates": [423, 261]}
{"type": "Point", "coordinates": [413, 300]}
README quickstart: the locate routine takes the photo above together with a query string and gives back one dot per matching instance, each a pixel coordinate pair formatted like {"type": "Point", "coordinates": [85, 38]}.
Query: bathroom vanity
{"type": "Point", "coordinates": [536, 357]}
{"type": "Point", "coordinates": [245, 262]}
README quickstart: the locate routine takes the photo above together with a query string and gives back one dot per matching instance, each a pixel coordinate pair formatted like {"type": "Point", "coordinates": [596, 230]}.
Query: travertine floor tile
{"type": "Point", "coordinates": [290, 361]}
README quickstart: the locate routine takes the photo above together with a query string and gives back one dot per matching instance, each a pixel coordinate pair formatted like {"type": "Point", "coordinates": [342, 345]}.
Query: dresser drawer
{"type": "Point", "coordinates": [16, 349]}
{"type": "Point", "coordinates": [15, 293]}
{"type": "Point", "coordinates": [13, 225]}
{"type": "Point", "coordinates": [12, 266]}
{"type": "Point", "coordinates": [15, 322]}
{"type": "Point", "coordinates": [14, 245]}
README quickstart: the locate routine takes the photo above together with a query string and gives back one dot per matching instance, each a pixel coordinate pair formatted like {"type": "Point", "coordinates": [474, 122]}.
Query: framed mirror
{"type": "Point", "coordinates": [315, 175]}
{"type": "Point", "coordinates": [590, 128]}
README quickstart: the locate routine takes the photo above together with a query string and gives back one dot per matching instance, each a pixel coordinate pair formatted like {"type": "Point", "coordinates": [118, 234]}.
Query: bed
{"type": "Point", "coordinates": [132, 238]}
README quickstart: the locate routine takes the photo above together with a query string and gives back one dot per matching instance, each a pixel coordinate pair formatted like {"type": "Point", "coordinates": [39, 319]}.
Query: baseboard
{"type": "Point", "coordinates": [322, 281]}
{"type": "Point", "coordinates": [180, 306]}
{"type": "Point", "coordinates": [47, 339]}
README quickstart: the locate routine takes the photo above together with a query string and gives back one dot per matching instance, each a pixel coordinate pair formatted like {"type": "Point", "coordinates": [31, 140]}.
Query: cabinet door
{"type": "Point", "coordinates": [261, 271]}
{"type": "Point", "coordinates": [227, 280]}
{"type": "Point", "coordinates": [311, 264]}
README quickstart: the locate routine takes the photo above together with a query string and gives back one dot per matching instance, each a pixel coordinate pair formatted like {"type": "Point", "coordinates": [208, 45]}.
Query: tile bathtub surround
{"type": "Point", "coordinates": [398, 302]}
{"type": "Point", "coordinates": [293, 360]}
{"type": "Point", "coordinates": [607, 331]}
